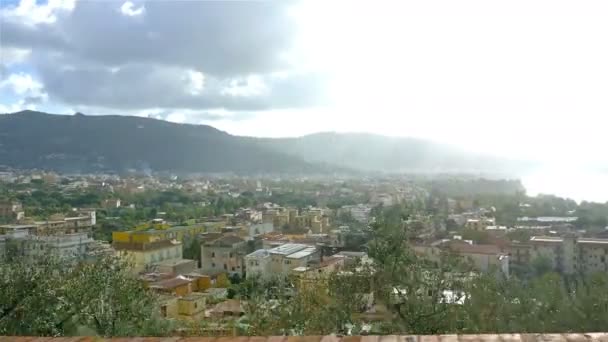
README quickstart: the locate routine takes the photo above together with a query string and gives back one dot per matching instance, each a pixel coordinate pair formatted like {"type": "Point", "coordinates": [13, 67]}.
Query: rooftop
{"type": "Point", "coordinates": [170, 283]}
{"type": "Point", "coordinates": [302, 253]}
{"type": "Point", "coordinates": [575, 337]}
{"type": "Point", "coordinates": [288, 248]}
{"type": "Point", "coordinates": [260, 253]}
{"type": "Point", "coordinates": [553, 239]}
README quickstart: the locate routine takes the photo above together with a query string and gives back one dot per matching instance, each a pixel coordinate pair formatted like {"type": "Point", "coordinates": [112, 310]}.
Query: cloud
{"type": "Point", "coordinates": [128, 9]}
{"type": "Point", "coordinates": [10, 56]}
{"type": "Point", "coordinates": [196, 55]}
{"type": "Point", "coordinates": [22, 84]}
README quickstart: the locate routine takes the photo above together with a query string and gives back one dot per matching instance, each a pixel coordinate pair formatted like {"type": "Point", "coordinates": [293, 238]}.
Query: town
{"type": "Point", "coordinates": [240, 255]}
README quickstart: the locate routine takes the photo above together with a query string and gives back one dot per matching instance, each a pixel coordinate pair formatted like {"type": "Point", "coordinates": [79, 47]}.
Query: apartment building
{"type": "Point", "coordinates": [566, 254]}
{"type": "Point", "coordinates": [224, 255]}
{"type": "Point", "coordinates": [64, 237]}
{"type": "Point", "coordinates": [258, 264]}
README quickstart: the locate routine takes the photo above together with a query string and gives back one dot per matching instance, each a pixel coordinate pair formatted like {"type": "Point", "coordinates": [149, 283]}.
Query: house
{"type": "Point", "coordinates": [224, 254]}
{"type": "Point", "coordinates": [227, 308]}
{"type": "Point", "coordinates": [176, 266]}
{"type": "Point", "coordinates": [191, 306]}
{"type": "Point", "coordinates": [179, 285]}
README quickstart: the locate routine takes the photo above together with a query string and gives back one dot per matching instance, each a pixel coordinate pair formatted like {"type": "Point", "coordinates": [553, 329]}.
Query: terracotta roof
{"type": "Point", "coordinates": [580, 337]}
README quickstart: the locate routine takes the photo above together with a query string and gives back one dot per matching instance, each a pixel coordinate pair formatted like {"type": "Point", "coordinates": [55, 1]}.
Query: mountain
{"type": "Point", "coordinates": [370, 152]}
{"type": "Point", "coordinates": [84, 143]}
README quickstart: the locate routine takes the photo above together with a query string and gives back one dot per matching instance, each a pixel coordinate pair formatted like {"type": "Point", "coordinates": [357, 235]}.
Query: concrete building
{"type": "Point", "coordinates": [67, 237]}
{"type": "Point", "coordinates": [483, 258]}
{"type": "Point", "coordinates": [567, 255]}
{"type": "Point", "coordinates": [258, 264]}
{"type": "Point", "coordinates": [224, 255]}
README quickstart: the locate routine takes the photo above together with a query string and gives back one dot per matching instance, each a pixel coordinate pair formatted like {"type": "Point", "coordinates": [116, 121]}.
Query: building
{"type": "Point", "coordinates": [483, 258]}
{"type": "Point", "coordinates": [179, 233]}
{"type": "Point", "coordinates": [111, 203]}
{"type": "Point", "coordinates": [258, 264]}
{"type": "Point", "coordinates": [315, 272]}
{"type": "Point", "coordinates": [286, 257]}
{"type": "Point", "coordinates": [147, 255]}
{"type": "Point", "coordinates": [64, 237]}
{"type": "Point", "coordinates": [11, 209]}
{"type": "Point", "coordinates": [359, 212]}
{"type": "Point", "coordinates": [479, 224]}
{"type": "Point", "coordinates": [223, 255]}
{"type": "Point", "coordinates": [566, 255]}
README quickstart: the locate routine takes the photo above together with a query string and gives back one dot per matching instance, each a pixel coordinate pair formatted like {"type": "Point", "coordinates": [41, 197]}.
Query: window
{"type": "Point", "coordinates": [230, 254]}
{"type": "Point", "coordinates": [232, 268]}
{"type": "Point", "coordinates": [195, 305]}
{"type": "Point", "coordinates": [225, 266]}
{"type": "Point", "coordinates": [213, 264]}
{"type": "Point", "coordinates": [163, 311]}
{"type": "Point", "coordinates": [213, 254]}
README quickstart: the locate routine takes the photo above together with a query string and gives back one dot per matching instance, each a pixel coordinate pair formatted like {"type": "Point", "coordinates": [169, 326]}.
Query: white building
{"type": "Point", "coordinates": [281, 260]}
{"type": "Point", "coordinates": [257, 264]}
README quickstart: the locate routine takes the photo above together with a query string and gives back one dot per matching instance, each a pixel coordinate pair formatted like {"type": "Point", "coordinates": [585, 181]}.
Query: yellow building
{"type": "Point", "coordinates": [178, 233]}
{"type": "Point", "coordinates": [180, 286]}
{"type": "Point", "coordinates": [143, 255]}
{"type": "Point", "coordinates": [188, 307]}
{"type": "Point", "coordinates": [191, 307]}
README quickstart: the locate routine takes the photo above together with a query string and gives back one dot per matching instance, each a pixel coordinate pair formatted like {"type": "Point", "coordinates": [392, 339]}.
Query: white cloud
{"type": "Point", "coordinates": [22, 84]}
{"type": "Point", "coordinates": [10, 55]}
{"type": "Point", "coordinates": [195, 82]}
{"type": "Point", "coordinates": [128, 9]}
{"type": "Point", "coordinates": [32, 13]}
{"type": "Point", "coordinates": [176, 117]}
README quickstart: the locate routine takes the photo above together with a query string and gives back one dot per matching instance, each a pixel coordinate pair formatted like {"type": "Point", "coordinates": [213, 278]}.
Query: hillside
{"type": "Point", "coordinates": [372, 152]}
{"type": "Point", "coordinates": [79, 143]}
{"type": "Point", "coordinates": [83, 143]}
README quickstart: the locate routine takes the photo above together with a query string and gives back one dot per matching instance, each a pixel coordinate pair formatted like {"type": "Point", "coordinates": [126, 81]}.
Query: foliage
{"type": "Point", "coordinates": [50, 297]}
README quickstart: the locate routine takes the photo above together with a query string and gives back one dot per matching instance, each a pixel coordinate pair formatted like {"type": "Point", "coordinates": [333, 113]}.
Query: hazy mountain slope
{"type": "Point", "coordinates": [85, 143]}
{"type": "Point", "coordinates": [379, 153]}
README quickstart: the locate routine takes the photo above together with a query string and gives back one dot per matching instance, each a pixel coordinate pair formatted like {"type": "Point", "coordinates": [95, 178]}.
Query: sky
{"type": "Point", "coordinates": [523, 79]}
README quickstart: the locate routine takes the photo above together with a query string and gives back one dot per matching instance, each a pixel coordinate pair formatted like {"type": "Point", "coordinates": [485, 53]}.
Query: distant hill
{"type": "Point", "coordinates": [84, 143]}
{"type": "Point", "coordinates": [372, 152]}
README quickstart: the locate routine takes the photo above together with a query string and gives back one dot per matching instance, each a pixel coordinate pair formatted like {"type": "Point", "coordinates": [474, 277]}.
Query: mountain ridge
{"type": "Point", "coordinates": [79, 143]}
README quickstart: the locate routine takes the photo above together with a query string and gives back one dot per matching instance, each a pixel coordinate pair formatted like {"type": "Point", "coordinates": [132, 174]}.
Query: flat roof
{"type": "Point", "coordinates": [302, 253]}
{"type": "Point", "coordinates": [593, 241]}
{"type": "Point", "coordinates": [260, 253]}
{"type": "Point", "coordinates": [546, 239]}
{"type": "Point", "coordinates": [288, 248]}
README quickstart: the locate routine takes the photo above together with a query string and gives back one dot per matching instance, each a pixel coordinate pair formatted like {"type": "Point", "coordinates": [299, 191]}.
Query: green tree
{"type": "Point", "coordinates": [48, 297]}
